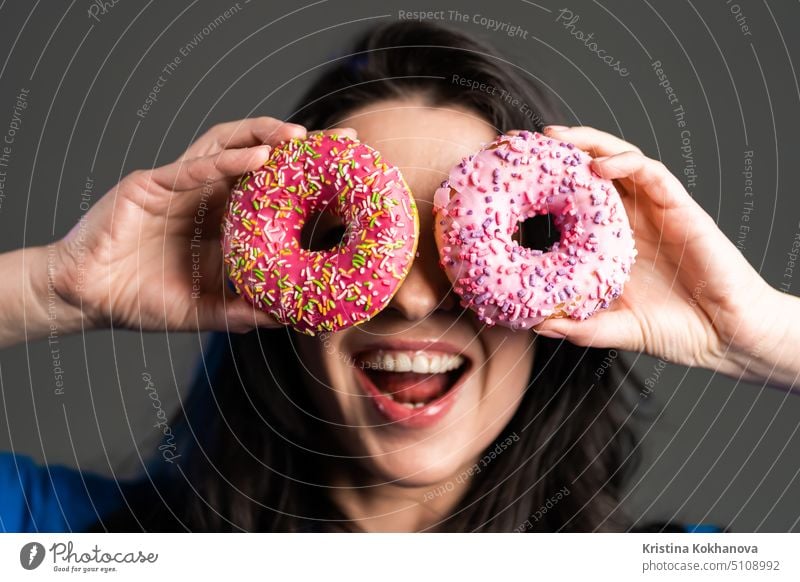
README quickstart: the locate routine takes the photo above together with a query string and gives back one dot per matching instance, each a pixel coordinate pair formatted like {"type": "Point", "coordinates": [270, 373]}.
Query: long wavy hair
{"type": "Point", "coordinates": [258, 454]}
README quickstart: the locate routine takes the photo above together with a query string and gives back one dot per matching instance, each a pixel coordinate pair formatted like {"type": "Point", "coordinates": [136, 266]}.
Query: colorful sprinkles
{"type": "Point", "coordinates": [316, 291]}
{"type": "Point", "coordinates": [479, 209]}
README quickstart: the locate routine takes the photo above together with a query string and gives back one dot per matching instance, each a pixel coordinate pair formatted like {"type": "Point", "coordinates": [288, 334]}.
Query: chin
{"type": "Point", "coordinates": [414, 460]}
{"type": "Point", "coordinates": [415, 467]}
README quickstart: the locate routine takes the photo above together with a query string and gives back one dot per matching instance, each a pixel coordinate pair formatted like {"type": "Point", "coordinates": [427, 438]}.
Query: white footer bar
{"type": "Point", "coordinates": [401, 557]}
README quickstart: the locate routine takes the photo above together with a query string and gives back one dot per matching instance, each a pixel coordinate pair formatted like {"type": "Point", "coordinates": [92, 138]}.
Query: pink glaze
{"type": "Point", "coordinates": [480, 206]}
{"type": "Point", "coordinates": [329, 290]}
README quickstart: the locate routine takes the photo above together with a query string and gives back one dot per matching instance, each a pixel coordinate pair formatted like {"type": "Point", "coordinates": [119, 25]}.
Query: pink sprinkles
{"type": "Point", "coordinates": [511, 285]}
{"type": "Point", "coordinates": [315, 291]}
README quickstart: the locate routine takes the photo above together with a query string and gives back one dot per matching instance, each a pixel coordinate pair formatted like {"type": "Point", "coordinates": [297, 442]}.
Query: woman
{"type": "Point", "coordinates": [279, 433]}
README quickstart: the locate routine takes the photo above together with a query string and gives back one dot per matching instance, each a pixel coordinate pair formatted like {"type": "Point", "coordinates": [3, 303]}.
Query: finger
{"type": "Point", "coordinates": [589, 139]}
{"type": "Point", "coordinates": [241, 316]}
{"type": "Point", "coordinates": [197, 172]}
{"type": "Point", "coordinates": [646, 175]}
{"type": "Point", "coordinates": [605, 329]}
{"type": "Point", "coordinates": [231, 313]}
{"type": "Point", "coordinates": [243, 133]}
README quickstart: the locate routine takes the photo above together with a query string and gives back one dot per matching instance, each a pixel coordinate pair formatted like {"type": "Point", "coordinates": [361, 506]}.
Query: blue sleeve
{"type": "Point", "coordinates": [34, 498]}
{"type": "Point", "coordinates": [702, 528]}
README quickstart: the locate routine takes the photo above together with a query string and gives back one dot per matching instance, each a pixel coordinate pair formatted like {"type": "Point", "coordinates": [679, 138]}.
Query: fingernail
{"type": "Point", "coordinates": [555, 128]}
{"type": "Point", "coordinates": [600, 159]}
{"type": "Point", "coordinates": [263, 153]}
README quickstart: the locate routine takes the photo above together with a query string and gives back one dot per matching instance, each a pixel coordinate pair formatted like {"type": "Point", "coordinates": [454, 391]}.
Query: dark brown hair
{"type": "Point", "coordinates": [263, 462]}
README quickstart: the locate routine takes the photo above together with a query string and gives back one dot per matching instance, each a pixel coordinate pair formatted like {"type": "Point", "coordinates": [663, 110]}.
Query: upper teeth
{"type": "Point", "coordinates": [418, 362]}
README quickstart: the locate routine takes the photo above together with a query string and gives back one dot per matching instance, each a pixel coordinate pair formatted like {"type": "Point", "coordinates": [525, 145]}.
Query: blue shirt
{"type": "Point", "coordinates": [34, 498]}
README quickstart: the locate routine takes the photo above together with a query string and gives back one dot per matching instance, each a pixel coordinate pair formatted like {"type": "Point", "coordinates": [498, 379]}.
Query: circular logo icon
{"type": "Point", "coordinates": [31, 555]}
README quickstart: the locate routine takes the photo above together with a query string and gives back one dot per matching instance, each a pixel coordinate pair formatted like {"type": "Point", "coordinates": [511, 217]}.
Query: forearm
{"type": "Point", "coordinates": [30, 308]}
{"type": "Point", "coordinates": [773, 355]}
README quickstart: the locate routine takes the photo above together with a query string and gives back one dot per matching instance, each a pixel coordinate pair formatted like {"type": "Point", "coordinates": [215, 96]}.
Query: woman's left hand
{"type": "Point", "coordinates": [692, 298]}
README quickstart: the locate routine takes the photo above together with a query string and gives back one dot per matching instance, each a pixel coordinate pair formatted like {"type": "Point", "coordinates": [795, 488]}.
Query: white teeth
{"type": "Point", "coordinates": [402, 363]}
{"type": "Point", "coordinates": [419, 362]}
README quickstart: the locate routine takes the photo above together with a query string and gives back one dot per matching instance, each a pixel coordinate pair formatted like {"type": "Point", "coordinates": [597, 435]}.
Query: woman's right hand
{"type": "Point", "coordinates": [148, 256]}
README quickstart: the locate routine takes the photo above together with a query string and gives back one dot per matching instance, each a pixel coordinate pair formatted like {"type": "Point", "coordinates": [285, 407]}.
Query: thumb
{"type": "Point", "coordinates": [240, 314]}
{"type": "Point", "coordinates": [603, 330]}
{"type": "Point", "coordinates": [230, 312]}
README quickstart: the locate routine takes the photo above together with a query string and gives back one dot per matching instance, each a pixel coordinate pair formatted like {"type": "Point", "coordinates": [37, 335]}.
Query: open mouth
{"type": "Point", "coordinates": [412, 387]}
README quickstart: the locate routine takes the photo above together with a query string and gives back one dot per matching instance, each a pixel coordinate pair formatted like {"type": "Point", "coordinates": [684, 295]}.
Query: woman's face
{"type": "Point", "coordinates": [420, 390]}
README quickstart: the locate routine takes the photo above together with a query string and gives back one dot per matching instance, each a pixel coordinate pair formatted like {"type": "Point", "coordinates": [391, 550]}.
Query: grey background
{"type": "Point", "coordinates": [715, 450]}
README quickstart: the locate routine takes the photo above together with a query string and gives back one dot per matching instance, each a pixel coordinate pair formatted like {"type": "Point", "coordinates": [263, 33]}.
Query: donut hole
{"type": "Point", "coordinates": [538, 233]}
{"type": "Point", "coordinates": [322, 232]}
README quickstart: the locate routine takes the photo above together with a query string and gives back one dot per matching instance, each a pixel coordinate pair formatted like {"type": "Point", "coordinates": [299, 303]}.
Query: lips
{"type": "Point", "coordinates": [412, 387]}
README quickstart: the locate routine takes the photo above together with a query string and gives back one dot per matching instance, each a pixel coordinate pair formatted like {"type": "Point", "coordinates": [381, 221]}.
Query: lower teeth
{"type": "Point", "coordinates": [411, 405]}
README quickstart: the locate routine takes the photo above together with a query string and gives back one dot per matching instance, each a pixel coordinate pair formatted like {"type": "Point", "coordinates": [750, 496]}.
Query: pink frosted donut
{"type": "Point", "coordinates": [327, 290]}
{"type": "Point", "coordinates": [480, 206]}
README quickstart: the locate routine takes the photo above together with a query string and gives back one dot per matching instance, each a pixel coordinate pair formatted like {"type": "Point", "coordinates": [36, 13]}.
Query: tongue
{"type": "Point", "coordinates": [411, 387]}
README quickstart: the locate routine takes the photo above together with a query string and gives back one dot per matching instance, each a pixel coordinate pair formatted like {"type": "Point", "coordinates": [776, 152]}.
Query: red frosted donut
{"type": "Point", "coordinates": [480, 206]}
{"type": "Point", "coordinates": [326, 290]}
